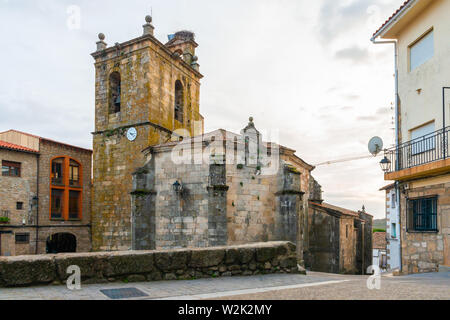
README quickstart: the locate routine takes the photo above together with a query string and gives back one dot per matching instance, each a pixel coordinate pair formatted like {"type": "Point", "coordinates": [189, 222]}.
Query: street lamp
{"type": "Point", "coordinates": [385, 164]}
{"type": "Point", "coordinates": [177, 187]}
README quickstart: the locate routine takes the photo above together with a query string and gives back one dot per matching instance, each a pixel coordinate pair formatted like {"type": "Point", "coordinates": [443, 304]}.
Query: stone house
{"type": "Point", "coordinates": [339, 240]}
{"type": "Point", "coordinates": [44, 195]}
{"type": "Point", "coordinates": [419, 163]}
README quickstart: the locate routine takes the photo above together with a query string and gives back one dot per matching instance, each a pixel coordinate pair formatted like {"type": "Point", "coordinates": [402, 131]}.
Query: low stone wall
{"type": "Point", "coordinates": [135, 266]}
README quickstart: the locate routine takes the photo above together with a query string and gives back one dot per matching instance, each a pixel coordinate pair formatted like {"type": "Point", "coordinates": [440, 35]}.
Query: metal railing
{"type": "Point", "coordinates": [429, 148]}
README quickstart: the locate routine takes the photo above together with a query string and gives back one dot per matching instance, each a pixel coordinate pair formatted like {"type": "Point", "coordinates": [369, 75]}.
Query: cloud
{"type": "Point", "coordinates": [285, 63]}
{"type": "Point", "coordinates": [367, 118]}
{"type": "Point", "coordinates": [353, 54]}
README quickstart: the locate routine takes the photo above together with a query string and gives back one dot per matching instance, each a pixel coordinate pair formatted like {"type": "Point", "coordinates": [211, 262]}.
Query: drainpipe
{"type": "Point", "coordinates": [363, 251]}
{"type": "Point", "coordinates": [37, 204]}
{"type": "Point", "coordinates": [397, 160]}
{"type": "Point", "coordinates": [443, 120]}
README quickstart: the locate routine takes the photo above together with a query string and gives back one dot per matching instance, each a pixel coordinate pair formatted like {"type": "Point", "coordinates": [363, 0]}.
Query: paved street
{"type": "Point", "coordinates": [435, 286]}
{"type": "Point", "coordinates": [313, 286]}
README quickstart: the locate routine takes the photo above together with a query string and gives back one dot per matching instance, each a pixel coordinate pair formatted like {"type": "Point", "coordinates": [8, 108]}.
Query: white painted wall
{"type": "Point", "coordinates": [393, 236]}
{"type": "Point", "coordinates": [420, 88]}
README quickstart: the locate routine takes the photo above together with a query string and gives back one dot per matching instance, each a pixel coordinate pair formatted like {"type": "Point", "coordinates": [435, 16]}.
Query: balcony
{"type": "Point", "coordinates": [424, 156]}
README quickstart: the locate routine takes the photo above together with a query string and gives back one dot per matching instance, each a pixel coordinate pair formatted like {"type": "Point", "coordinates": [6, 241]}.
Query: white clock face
{"type": "Point", "coordinates": [132, 134]}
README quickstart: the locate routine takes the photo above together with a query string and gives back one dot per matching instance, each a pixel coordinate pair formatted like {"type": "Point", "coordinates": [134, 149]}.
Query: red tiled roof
{"type": "Point", "coordinates": [42, 138]}
{"type": "Point", "coordinates": [379, 240]}
{"type": "Point", "coordinates": [15, 147]}
{"type": "Point", "coordinates": [393, 15]}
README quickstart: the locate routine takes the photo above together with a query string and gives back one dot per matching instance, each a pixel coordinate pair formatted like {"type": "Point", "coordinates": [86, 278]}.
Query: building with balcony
{"type": "Point", "coordinates": [419, 164]}
{"type": "Point", "coordinates": [45, 189]}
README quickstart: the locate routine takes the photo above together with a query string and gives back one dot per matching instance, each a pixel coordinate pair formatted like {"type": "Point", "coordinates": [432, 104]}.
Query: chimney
{"type": "Point", "coordinates": [148, 27]}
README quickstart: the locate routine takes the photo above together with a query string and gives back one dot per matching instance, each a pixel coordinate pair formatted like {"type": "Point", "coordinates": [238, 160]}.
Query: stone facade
{"type": "Point", "coordinates": [135, 266]}
{"type": "Point", "coordinates": [340, 240]}
{"type": "Point", "coordinates": [425, 251]}
{"type": "Point", "coordinates": [34, 190]}
{"type": "Point", "coordinates": [172, 186]}
{"type": "Point", "coordinates": [149, 74]}
{"type": "Point", "coordinates": [223, 200]}
{"type": "Point", "coordinates": [15, 190]}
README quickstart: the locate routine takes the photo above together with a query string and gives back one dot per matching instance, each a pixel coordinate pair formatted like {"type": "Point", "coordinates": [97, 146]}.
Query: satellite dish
{"type": "Point", "coordinates": [375, 145]}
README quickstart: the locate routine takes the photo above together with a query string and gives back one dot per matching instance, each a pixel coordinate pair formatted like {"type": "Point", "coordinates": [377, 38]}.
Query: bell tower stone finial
{"type": "Point", "coordinates": [101, 45]}
{"type": "Point", "coordinates": [148, 27]}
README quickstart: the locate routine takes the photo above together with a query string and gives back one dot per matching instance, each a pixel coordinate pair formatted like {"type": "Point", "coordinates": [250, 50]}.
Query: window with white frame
{"type": "Point", "coordinates": [422, 139]}
{"type": "Point", "coordinates": [421, 51]}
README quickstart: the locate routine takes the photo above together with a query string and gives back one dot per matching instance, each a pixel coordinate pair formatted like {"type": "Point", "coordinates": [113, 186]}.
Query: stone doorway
{"type": "Point", "coordinates": [61, 243]}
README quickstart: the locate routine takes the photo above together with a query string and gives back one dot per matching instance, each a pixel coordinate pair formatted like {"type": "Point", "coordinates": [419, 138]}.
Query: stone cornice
{"type": "Point", "coordinates": [98, 54]}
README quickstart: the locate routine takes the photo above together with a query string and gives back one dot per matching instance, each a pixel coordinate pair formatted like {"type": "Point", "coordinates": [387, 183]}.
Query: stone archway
{"type": "Point", "coordinates": [61, 243]}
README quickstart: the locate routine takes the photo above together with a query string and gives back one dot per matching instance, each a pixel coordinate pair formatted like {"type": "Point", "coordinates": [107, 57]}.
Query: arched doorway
{"type": "Point", "coordinates": [61, 243]}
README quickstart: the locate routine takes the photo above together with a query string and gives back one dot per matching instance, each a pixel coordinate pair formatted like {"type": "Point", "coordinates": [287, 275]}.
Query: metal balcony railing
{"type": "Point", "coordinates": [429, 148]}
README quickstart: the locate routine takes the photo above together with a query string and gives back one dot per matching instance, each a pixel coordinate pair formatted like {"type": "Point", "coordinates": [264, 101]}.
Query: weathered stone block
{"type": "Point", "coordinates": [175, 260]}
{"type": "Point", "coordinates": [288, 262]}
{"type": "Point", "coordinates": [246, 255]}
{"type": "Point", "coordinates": [28, 270]}
{"type": "Point", "coordinates": [92, 265]}
{"type": "Point", "coordinates": [231, 256]}
{"type": "Point", "coordinates": [207, 258]}
{"type": "Point", "coordinates": [264, 254]}
{"type": "Point", "coordinates": [128, 263]}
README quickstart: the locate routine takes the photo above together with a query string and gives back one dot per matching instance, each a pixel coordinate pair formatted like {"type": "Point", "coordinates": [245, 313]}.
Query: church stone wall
{"type": "Point", "coordinates": [182, 218]}
{"type": "Point", "coordinates": [250, 205]}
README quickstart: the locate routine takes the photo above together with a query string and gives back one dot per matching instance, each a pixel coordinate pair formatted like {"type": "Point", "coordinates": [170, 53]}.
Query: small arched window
{"type": "Point", "coordinates": [115, 92]}
{"type": "Point", "coordinates": [179, 101]}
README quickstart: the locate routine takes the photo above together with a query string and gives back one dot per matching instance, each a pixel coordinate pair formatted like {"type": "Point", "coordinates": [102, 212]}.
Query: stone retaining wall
{"type": "Point", "coordinates": [134, 266]}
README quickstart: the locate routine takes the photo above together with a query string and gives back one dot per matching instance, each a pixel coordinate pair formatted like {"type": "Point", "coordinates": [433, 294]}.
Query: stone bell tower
{"type": "Point", "coordinates": [146, 93]}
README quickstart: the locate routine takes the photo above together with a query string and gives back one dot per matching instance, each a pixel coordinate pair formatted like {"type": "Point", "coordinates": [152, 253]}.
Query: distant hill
{"type": "Point", "coordinates": [379, 224]}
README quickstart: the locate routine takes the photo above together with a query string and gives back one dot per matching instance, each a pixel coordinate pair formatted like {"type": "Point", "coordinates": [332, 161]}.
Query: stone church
{"type": "Point", "coordinates": [160, 182]}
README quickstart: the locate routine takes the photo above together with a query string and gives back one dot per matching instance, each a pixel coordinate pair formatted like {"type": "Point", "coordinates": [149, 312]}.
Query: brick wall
{"type": "Point", "coordinates": [79, 228]}
{"type": "Point", "coordinates": [18, 189]}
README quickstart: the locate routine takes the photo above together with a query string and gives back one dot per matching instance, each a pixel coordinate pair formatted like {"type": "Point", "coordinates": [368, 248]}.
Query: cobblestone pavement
{"type": "Point", "coordinates": [430, 286]}
{"type": "Point", "coordinates": [185, 289]}
{"type": "Point", "coordinates": [278, 287]}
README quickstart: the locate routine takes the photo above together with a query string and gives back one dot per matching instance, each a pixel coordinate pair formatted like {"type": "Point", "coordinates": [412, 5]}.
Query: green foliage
{"type": "Point", "coordinates": [379, 230]}
{"type": "Point", "coordinates": [240, 166]}
{"type": "Point", "coordinates": [4, 219]}
{"type": "Point", "coordinates": [291, 168]}
{"type": "Point", "coordinates": [241, 183]}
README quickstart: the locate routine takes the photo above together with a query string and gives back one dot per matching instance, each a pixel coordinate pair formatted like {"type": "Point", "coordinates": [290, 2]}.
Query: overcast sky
{"type": "Point", "coordinates": [304, 68]}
